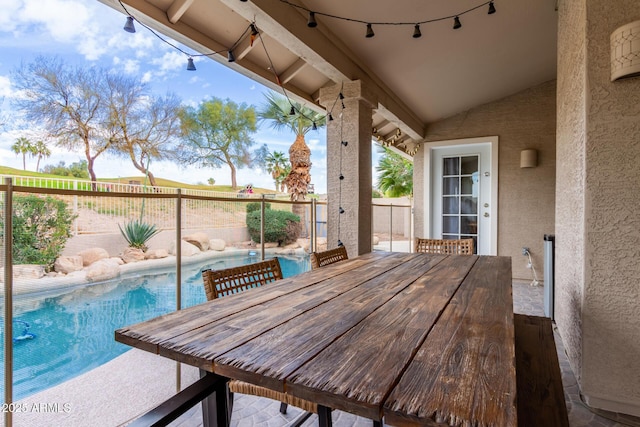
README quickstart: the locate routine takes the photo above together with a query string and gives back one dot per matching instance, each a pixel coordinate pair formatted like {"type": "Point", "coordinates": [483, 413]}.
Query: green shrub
{"type": "Point", "coordinates": [41, 227]}
{"type": "Point", "coordinates": [280, 226]}
{"type": "Point", "coordinates": [255, 206]}
{"type": "Point", "coordinates": [137, 233]}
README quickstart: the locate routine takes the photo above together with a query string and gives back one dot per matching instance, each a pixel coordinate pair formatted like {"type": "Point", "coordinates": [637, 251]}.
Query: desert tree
{"type": "Point", "coordinates": [142, 127]}
{"type": "Point", "coordinates": [216, 133]}
{"type": "Point", "coordinates": [67, 102]}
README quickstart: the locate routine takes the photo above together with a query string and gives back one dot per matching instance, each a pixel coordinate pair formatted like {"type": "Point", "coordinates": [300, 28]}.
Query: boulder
{"type": "Point", "coordinates": [376, 240]}
{"type": "Point", "coordinates": [156, 254]}
{"type": "Point", "coordinates": [130, 255]}
{"type": "Point", "coordinates": [187, 249]}
{"type": "Point", "coordinates": [200, 239]}
{"type": "Point", "coordinates": [304, 244]}
{"type": "Point", "coordinates": [103, 269]}
{"type": "Point", "coordinates": [321, 244]}
{"type": "Point", "coordinates": [25, 271]}
{"type": "Point", "coordinates": [91, 255]}
{"type": "Point", "coordinates": [67, 264]}
{"type": "Point", "coordinates": [217, 244]}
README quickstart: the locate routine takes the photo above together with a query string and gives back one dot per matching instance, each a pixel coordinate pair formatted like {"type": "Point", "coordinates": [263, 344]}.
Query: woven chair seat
{"type": "Point", "coordinates": [445, 246]}
{"type": "Point", "coordinates": [320, 259]}
{"type": "Point", "coordinates": [237, 386]}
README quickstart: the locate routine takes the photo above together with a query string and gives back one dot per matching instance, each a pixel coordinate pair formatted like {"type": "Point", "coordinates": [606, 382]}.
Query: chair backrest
{"type": "Point", "coordinates": [320, 259]}
{"type": "Point", "coordinates": [227, 281]}
{"type": "Point", "coordinates": [445, 246]}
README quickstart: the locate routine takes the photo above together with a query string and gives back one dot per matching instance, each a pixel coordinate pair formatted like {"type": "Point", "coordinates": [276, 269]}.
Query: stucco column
{"type": "Point", "coordinates": [351, 125]}
{"type": "Point", "coordinates": [597, 193]}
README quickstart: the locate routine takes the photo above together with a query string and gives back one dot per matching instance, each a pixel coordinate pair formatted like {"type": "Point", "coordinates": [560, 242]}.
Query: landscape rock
{"type": "Point", "coordinates": [304, 244]}
{"type": "Point", "coordinates": [67, 264]}
{"type": "Point", "coordinates": [25, 271]}
{"type": "Point", "coordinates": [321, 244]}
{"type": "Point", "coordinates": [217, 244]}
{"type": "Point", "coordinates": [103, 269]}
{"type": "Point", "coordinates": [200, 239]}
{"type": "Point", "coordinates": [376, 240]}
{"type": "Point", "coordinates": [130, 255]}
{"type": "Point", "coordinates": [156, 254]}
{"type": "Point", "coordinates": [187, 249]}
{"type": "Point", "coordinates": [91, 255]}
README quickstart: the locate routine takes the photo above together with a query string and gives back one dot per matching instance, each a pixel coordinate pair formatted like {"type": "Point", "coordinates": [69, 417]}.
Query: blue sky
{"type": "Point", "coordinates": [88, 32]}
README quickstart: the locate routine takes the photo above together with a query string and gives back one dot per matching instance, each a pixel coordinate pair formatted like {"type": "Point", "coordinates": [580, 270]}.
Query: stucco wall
{"type": "Point", "coordinates": [570, 210]}
{"type": "Point", "coordinates": [526, 196]}
{"type": "Point", "coordinates": [611, 310]}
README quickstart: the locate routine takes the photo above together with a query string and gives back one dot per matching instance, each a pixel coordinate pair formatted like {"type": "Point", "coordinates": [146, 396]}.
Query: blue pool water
{"type": "Point", "coordinates": [73, 333]}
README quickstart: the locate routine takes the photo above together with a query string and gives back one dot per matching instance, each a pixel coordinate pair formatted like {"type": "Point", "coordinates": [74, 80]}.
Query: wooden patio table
{"type": "Point", "coordinates": [418, 339]}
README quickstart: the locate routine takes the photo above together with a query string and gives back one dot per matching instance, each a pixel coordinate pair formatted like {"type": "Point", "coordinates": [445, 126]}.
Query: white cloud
{"type": "Point", "coordinates": [64, 20]}
{"type": "Point", "coordinates": [5, 87]}
{"type": "Point", "coordinates": [131, 66]}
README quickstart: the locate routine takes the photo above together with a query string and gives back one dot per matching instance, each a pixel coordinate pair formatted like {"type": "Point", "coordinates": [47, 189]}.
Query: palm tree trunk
{"type": "Point", "coordinates": [299, 177]}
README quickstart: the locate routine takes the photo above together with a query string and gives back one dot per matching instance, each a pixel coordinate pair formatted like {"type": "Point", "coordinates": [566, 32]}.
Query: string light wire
{"type": "Point", "coordinates": [178, 48]}
{"type": "Point", "coordinates": [360, 21]}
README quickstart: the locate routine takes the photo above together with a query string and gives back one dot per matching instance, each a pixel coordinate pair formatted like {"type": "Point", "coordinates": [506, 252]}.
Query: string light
{"type": "Point", "coordinates": [312, 20]}
{"type": "Point", "coordinates": [370, 32]}
{"type": "Point", "coordinates": [416, 32]}
{"type": "Point", "coordinates": [128, 26]}
{"type": "Point", "coordinates": [343, 145]}
{"type": "Point", "coordinates": [369, 24]}
{"type": "Point", "coordinates": [190, 64]}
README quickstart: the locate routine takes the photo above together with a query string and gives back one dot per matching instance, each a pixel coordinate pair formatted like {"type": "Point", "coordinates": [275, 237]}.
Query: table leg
{"type": "Point", "coordinates": [324, 416]}
{"type": "Point", "coordinates": [216, 411]}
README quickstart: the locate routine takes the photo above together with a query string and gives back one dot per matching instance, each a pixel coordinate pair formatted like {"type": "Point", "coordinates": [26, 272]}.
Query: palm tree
{"type": "Point", "coordinates": [396, 175]}
{"type": "Point", "coordinates": [276, 164]}
{"type": "Point", "coordinates": [23, 146]}
{"type": "Point", "coordinates": [282, 113]}
{"type": "Point", "coordinates": [41, 151]}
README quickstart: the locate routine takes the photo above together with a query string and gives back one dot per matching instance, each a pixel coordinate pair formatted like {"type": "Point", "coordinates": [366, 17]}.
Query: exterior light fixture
{"type": "Point", "coordinates": [492, 9]}
{"type": "Point", "coordinates": [230, 56]}
{"type": "Point", "coordinates": [128, 26]}
{"type": "Point", "coordinates": [456, 23]}
{"type": "Point", "coordinates": [312, 20]}
{"type": "Point", "coordinates": [528, 158]}
{"type": "Point", "coordinates": [416, 32]}
{"type": "Point", "coordinates": [370, 32]}
{"type": "Point", "coordinates": [292, 112]}
{"type": "Point", "coordinates": [190, 65]}
{"type": "Point", "coordinates": [625, 51]}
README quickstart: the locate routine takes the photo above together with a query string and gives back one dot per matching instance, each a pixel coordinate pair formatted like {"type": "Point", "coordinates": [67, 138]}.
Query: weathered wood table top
{"type": "Point", "coordinates": [415, 338]}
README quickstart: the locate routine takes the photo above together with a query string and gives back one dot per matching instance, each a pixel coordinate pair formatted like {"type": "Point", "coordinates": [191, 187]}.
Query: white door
{"type": "Point", "coordinates": [463, 199]}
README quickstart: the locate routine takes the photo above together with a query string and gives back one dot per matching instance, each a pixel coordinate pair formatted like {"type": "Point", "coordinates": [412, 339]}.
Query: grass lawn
{"type": "Point", "coordinates": [161, 182]}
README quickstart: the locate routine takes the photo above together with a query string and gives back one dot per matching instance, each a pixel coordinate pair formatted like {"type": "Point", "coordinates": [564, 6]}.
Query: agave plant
{"type": "Point", "coordinates": [137, 233]}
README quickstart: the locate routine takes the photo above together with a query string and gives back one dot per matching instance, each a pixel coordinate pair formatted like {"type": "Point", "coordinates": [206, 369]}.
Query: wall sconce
{"type": "Point", "coordinates": [528, 158]}
{"type": "Point", "coordinates": [625, 51]}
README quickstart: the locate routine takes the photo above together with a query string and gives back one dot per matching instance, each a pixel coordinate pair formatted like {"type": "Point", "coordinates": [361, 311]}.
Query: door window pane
{"type": "Point", "coordinates": [469, 165]}
{"type": "Point", "coordinates": [450, 205]}
{"type": "Point", "coordinates": [469, 224]}
{"type": "Point", "coordinates": [451, 166]}
{"type": "Point", "coordinates": [450, 224]}
{"type": "Point", "coordinates": [450, 186]}
{"type": "Point", "coordinates": [469, 205]}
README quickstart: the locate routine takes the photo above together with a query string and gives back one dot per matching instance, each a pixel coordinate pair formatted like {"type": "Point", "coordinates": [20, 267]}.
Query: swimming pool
{"type": "Point", "coordinates": [73, 332]}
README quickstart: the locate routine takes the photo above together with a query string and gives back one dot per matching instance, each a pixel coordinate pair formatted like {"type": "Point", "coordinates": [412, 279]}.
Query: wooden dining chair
{"type": "Point", "coordinates": [227, 281]}
{"type": "Point", "coordinates": [320, 259]}
{"type": "Point", "coordinates": [445, 246]}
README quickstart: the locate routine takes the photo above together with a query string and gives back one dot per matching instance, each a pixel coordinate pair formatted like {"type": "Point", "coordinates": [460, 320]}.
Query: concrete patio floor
{"type": "Point", "coordinates": [119, 391]}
